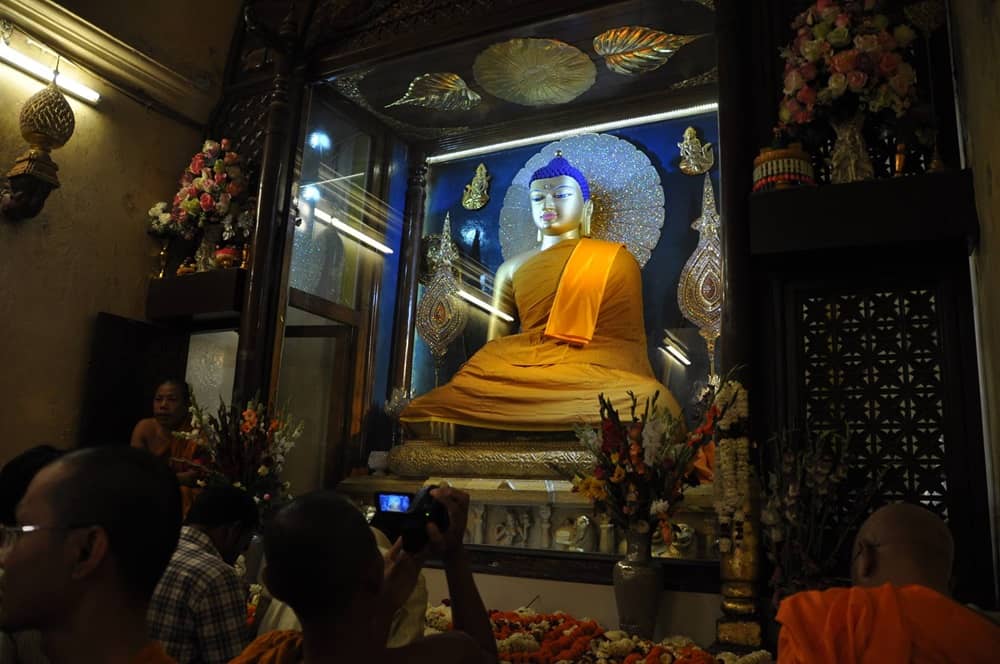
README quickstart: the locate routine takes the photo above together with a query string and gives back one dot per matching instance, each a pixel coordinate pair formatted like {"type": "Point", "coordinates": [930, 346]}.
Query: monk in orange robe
{"type": "Point", "coordinates": [898, 610]}
{"type": "Point", "coordinates": [157, 435]}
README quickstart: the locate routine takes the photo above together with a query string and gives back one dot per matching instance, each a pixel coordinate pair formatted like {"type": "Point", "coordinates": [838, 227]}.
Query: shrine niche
{"type": "Point", "coordinates": [410, 190]}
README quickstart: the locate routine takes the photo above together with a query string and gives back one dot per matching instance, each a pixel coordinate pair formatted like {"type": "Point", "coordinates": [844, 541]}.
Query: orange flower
{"type": "Point", "coordinates": [618, 475]}
{"type": "Point", "coordinates": [275, 424]}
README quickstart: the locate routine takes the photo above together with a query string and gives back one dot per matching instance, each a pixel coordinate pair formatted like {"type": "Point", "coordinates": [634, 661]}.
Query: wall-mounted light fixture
{"type": "Point", "coordinates": [352, 232]}
{"type": "Point", "coordinates": [675, 349]}
{"type": "Point", "coordinates": [46, 74]}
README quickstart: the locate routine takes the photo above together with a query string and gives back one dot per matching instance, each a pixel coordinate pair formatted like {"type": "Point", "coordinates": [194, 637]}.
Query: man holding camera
{"type": "Point", "coordinates": [323, 562]}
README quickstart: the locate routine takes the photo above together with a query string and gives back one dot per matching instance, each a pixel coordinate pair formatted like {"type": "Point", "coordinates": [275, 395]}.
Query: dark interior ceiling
{"type": "Point", "coordinates": [692, 65]}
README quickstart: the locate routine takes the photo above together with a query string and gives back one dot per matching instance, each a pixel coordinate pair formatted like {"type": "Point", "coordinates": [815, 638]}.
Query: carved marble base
{"type": "Point", "coordinates": [538, 513]}
{"type": "Point", "coordinates": [529, 460]}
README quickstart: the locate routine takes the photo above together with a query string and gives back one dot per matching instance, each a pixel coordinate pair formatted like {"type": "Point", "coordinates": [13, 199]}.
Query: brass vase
{"type": "Point", "coordinates": [204, 256]}
{"type": "Point", "coordinates": [638, 583]}
{"type": "Point", "coordinates": [849, 160]}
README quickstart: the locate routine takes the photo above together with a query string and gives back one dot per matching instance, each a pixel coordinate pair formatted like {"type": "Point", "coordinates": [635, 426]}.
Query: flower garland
{"type": "Point", "coordinates": [731, 490]}
{"type": "Point", "coordinates": [547, 638]}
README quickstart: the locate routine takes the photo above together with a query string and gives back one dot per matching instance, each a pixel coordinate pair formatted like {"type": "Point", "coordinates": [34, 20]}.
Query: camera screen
{"type": "Point", "coordinates": [393, 502]}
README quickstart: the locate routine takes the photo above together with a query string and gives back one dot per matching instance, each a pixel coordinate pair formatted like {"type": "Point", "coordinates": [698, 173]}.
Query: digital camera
{"type": "Point", "coordinates": [401, 515]}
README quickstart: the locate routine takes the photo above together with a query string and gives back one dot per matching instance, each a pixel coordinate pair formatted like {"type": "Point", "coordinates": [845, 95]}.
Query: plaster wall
{"type": "Point", "coordinates": [86, 252]}
{"type": "Point", "coordinates": [976, 26]}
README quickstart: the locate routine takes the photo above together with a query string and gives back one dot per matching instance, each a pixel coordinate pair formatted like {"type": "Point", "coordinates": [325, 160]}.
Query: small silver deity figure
{"type": "Point", "coordinates": [544, 524]}
{"type": "Point", "coordinates": [696, 158]}
{"type": "Point", "coordinates": [507, 533]}
{"type": "Point", "coordinates": [524, 528]}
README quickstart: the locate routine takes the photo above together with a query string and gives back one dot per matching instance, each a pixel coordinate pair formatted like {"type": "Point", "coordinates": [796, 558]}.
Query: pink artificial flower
{"type": "Point", "coordinates": [803, 117]}
{"type": "Point", "coordinates": [224, 144]}
{"type": "Point", "coordinates": [808, 71]}
{"type": "Point", "coordinates": [792, 106]}
{"type": "Point", "coordinates": [197, 163]}
{"type": "Point", "coordinates": [220, 178]}
{"type": "Point", "coordinates": [230, 158]}
{"type": "Point", "coordinates": [192, 192]}
{"type": "Point", "coordinates": [807, 96]}
{"type": "Point", "coordinates": [234, 189]}
{"type": "Point", "coordinates": [856, 80]}
{"type": "Point", "coordinates": [845, 61]}
{"type": "Point", "coordinates": [842, 20]}
{"type": "Point", "coordinates": [186, 178]}
{"type": "Point", "coordinates": [206, 202]}
{"type": "Point", "coordinates": [889, 63]}
{"type": "Point", "coordinates": [178, 198]}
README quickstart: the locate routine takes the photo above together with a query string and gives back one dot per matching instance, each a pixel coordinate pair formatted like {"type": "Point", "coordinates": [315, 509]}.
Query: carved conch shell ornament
{"type": "Point", "coordinates": [637, 50]}
{"type": "Point", "coordinates": [441, 313]}
{"type": "Point", "coordinates": [442, 91]}
{"type": "Point", "coordinates": [700, 291]}
{"type": "Point", "coordinates": [697, 158]}
{"type": "Point", "coordinates": [534, 72]}
{"type": "Point", "coordinates": [477, 192]}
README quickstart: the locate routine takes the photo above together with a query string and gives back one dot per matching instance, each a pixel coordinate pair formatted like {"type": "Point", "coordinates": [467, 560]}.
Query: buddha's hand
{"type": "Point", "coordinates": [399, 576]}
{"type": "Point", "coordinates": [449, 542]}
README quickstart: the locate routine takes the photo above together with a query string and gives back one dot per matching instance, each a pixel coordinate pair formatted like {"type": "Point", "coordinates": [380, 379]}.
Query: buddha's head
{"type": "Point", "coordinates": [560, 198]}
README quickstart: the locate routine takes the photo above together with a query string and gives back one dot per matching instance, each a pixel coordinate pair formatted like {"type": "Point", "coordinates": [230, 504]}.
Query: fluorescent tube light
{"type": "Point", "coordinates": [31, 66]}
{"type": "Point", "coordinates": [353, 232]}
{"type": "Point", "coordinates": [677, 354]}
{"type": "Point", "coordinates": [485, 306]}
{"type": "Point", "coordinates": [556, 135]}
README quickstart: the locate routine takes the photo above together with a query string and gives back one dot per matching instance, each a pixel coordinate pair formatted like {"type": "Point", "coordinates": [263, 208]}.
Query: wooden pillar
{"type": "Point", "coordinates": [409, 274]}
{"type": "Point", "coordinates": [262, 294]}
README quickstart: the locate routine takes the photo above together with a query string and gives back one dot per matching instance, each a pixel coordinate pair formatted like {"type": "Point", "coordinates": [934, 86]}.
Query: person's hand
{"type": "Point", "coordinates": [399, 575]}
{"type": "Point", "coordinates": [457, 503]}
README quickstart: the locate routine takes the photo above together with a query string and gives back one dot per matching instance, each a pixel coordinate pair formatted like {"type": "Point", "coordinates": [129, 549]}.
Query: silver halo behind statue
{"type": "Point", "coordinates": [624, 185]}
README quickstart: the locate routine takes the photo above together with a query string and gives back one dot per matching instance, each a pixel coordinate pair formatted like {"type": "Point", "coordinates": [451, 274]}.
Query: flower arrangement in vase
{"type": "Point", "coordinates": [246, 448]}
{"type": "Point", "coordinates": [849, 60]}
{"type": "Point", "coordinates": [809, 511]}
{"type": "Point", "coordinates": [211, 203]}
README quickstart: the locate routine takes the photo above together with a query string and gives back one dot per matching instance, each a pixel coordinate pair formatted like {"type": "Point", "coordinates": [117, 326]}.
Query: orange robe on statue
{"type": "Point", "coordinates": [883, 625]}
{"type": "Point", "coordinates": [582, 333]}
{"type": "Point", "coordinates": [282, 647]}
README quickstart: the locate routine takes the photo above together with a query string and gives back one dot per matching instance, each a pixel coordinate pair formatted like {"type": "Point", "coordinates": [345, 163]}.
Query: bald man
{"type": "Point", "coordinates": [899, 608]}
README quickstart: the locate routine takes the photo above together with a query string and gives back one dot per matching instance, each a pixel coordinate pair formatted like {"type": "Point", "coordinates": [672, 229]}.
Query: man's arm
{"type": "Point", "coordinates": [467, 609]}
{"type": "Point", "coordinates": [220, 619]}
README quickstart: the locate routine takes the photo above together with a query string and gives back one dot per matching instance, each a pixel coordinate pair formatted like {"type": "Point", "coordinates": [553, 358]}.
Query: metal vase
{"type": "Point", "coordinates": [849, 161]}
{"type": "Point", "coordinates": [638, 583]}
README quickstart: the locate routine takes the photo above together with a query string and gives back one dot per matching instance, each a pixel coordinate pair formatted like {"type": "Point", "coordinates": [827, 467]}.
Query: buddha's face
{"type": "Point", "coordinates": [557, 205]}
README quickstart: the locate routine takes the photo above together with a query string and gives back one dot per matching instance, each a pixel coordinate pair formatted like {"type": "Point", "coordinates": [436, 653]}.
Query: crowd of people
{"type": "Point", "coordinates": [99, 565]}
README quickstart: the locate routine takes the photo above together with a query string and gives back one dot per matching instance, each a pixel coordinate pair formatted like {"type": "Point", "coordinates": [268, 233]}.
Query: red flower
{"type": "Point", "coordinates": [807, 96]}
{"type": "Point", "coordinates": [230, 158]}
{"type": "Point", "coordinates": [845, 61]}
{"type": "Point", "coordinates": [612, 439]}
{"type": "Point", "coordinates": [220, 178]}
{"type": "Point", "coordinates": [197, 163]}
{"type": "Point", "coordinates": [233, 189]}
{"type": "Point", "coordinates": [206, 202]}
{"type": "Point", "coordinates": [888, 64]}
{"type": "Point", "coordinates": [808, 71]}
{"type": "Point", "coordinates": [856, 80]}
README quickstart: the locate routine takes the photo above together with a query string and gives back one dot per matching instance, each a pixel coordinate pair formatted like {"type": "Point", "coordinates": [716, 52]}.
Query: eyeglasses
{"type": "Point", "coordinates": [9, 535]}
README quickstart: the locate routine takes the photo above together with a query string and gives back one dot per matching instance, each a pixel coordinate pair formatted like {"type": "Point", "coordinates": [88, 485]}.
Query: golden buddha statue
{"type": "Point", "coordinates": [581, 331]}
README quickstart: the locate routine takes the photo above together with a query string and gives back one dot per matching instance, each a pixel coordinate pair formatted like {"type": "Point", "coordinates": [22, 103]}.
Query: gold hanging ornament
{"type": "Point", "coordinates": [441, 313]}
{"type": "Point", "coordinates": [636, 50]}
{"type": "Point", "coordinates": [700, 292]}
{"type": "Point", "coordinates": [477, 192]}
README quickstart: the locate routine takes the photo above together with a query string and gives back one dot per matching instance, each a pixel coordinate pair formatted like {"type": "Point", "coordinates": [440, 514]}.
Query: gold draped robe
{"type": "Point", "coordinates": [533, 382]}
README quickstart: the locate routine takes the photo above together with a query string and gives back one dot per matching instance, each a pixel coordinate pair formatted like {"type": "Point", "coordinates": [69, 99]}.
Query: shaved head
{"type": "Point", "coordinates": [903, 544]}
